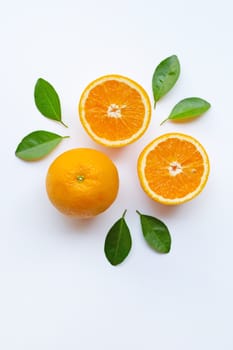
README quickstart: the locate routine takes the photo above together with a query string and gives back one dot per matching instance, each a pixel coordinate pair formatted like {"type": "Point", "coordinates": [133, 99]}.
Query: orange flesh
{"type": "Point", "coordinates": [162, 157]}
{"type": "Point", "coordinates": [131, 109]}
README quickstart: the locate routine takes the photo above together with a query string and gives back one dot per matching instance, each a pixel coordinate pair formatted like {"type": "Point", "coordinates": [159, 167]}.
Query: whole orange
{"type": "Point", "coordinates": [82, 182]}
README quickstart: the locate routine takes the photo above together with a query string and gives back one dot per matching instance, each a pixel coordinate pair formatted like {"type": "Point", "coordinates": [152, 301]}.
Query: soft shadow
{"type": "Point", "coordinates": [113, 153]}
{"type": "Point", "coordinates": [162, 209]}
{"type": "Point", "coordinates": [80, 226]}
{"type": "Point", "coordinates": [184, 121]}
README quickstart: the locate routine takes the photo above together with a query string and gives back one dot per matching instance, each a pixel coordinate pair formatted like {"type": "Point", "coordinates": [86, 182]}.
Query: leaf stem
{"type": "Point", "coordinates": [124, 214]}
{"type": "Point", "coordinates": [163, 121]}
{"type": "Point", "coordinates": [66, 126]}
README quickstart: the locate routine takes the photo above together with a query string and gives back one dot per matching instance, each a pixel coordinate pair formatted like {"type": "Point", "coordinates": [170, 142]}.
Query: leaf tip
{"type": "Point", "coordinates": [175, 57]}
{"type": "Point", "coordinates": [39, 81]}
{"type": "Point", "coordinates": [167, 250]}
{"type": "Point", "coordinates": [16, 153]}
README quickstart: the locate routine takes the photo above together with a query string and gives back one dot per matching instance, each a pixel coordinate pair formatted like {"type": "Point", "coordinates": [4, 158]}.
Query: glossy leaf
{"type": "Point", "coordinates": [190, 107]}
{"type": "Point", "coordinates": [118, 242]}
{"type": "Point", "coordinates": [165, 76]}
{"type": "Point", "coordinates": [155, 233]}
{"type": "Point", "coordinates": [47, 100]}
{"type": "Point", "coordinates": [37, 144]}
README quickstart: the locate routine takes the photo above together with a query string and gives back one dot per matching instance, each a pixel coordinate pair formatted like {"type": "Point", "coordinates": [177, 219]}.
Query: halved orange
{"type": "Point", "coordinates": [173, 168]}
{"type": "Point", "coordinates": [114, 110]}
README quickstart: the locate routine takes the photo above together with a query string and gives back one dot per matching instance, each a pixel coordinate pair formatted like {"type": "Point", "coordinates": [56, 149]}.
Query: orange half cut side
{"type": "Point", "coordinates": [114, 110]}
{"type": "Point", "coordinates": [173, 168]}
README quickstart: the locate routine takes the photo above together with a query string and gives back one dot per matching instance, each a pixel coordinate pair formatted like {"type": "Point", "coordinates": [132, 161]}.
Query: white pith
{"type": "Point", "coordinates": [114, 111]}
{"type": "Point", "coordinates": [175, 168]}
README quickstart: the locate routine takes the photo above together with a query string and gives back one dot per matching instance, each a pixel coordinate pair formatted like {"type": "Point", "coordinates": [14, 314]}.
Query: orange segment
{"type": "Point", "coordinates": [173, 168]}
{"type": "Point", "coordinates": [114, 110]}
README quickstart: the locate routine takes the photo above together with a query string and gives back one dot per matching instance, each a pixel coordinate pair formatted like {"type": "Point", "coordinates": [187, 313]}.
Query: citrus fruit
{"type": "Point", "coordinates": [82, 182]}
{"type": "Point", "coordinates": [173, 168]}
{"type": "Point", "coordinates": [114, 110]}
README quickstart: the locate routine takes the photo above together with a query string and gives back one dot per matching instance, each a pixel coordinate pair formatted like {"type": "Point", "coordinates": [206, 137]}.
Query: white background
{"type": "Point", "coordinates": [57, 290]}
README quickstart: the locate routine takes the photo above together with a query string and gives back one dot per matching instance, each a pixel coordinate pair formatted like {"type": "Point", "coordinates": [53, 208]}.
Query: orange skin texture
{"type": "Point", "coordinates": [82, 182]}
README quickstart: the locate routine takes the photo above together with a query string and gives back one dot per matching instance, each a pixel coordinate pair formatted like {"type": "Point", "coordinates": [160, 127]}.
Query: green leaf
{"type": "Point", "coordinates": [155, 233]}
{"type": "Point", "coordinates": [118, 242]}
{"type": "Point", "coordinates": [47, 100]}
{"type": "Point", "coordinates": [188, 108]}
{"type": "Point", "coordinates": [37, 145]}
{"type": "Point", "coordinates": [165, 76]}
